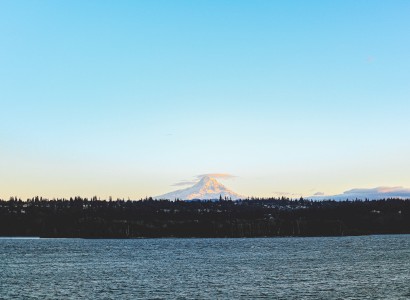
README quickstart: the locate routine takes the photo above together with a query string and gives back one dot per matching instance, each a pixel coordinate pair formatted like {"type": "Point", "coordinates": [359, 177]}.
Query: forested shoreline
{"type": "Point", "coordinates": [92, 218]}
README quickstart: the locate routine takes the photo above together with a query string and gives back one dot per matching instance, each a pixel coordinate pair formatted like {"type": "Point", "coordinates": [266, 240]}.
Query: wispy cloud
{"type": "Point", "coordinates": [381, 192]}
{"type": "Point", "coordinates": [199, 177]}
{"type": "Point", "coordinates": [185, 182]}
{"type": "Point", "coordinates": [319, 194]}
{"type": "Point", "coordinates": [217, 175]}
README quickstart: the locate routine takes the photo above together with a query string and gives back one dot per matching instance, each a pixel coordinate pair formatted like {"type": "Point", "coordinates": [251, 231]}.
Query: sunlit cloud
{"type": "Point", "coordinates": [217, 175]}
{"type": "Point", "coordinates": [199, 177]}
{"type": "Point", "coordinates": [382, 192]}
{"type": "Point", "coordinates": [184, 183]}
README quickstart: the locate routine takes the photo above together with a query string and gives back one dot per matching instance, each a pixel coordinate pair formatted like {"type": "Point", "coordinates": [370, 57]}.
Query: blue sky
{"type": "Point", "coordinates": [126, 98]}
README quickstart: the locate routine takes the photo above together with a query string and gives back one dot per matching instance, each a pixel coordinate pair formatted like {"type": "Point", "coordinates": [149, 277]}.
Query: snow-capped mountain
{"type": "Point", "coordinates": [206, 188]}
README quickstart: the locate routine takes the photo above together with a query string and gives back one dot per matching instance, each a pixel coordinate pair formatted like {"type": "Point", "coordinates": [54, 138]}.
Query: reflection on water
{"type": "Point", "coordinates": [371, 267]}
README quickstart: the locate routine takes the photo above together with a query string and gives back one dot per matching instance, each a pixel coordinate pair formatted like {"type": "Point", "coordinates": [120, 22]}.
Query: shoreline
{"type": "Point", "coordinates": [206, 238]}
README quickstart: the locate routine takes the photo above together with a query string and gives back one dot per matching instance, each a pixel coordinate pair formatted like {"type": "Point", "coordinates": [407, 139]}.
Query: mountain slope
{"type": "Point", "coordinates": [206, 188]}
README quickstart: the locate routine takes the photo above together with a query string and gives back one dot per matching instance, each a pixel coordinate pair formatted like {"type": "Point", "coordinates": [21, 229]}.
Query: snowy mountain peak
{"type": "Point", "coordinates": [207, 188]}
{"type": "Point", "coordinates": [210, 184]}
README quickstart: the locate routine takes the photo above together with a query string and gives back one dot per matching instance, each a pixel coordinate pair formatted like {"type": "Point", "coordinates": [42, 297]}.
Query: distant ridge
{"type": "Point", "coordinates": [377, 193]}
{"type": "Point", "coordinates": [208, 188]}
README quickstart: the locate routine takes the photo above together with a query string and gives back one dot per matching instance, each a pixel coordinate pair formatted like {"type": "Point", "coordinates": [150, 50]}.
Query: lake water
{"type": "Point", "coordinates": [365, 267]}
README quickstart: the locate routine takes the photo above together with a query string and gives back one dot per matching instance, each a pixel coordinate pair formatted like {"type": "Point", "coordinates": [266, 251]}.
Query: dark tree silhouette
{"type": "Point", "coordinates": [92, 218]}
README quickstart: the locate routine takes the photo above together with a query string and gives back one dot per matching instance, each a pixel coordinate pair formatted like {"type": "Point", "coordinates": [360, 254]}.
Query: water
{"type": "Point", "coordinates": [367, 267]}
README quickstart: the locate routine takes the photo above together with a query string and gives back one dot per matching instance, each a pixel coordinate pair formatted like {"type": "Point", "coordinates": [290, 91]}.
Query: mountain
{"type": "Point", "coordinates": [206, 188]}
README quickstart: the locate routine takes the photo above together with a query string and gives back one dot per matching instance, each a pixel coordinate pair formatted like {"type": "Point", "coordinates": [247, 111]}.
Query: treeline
{"type": "Point", "coordinates": [93, 218]}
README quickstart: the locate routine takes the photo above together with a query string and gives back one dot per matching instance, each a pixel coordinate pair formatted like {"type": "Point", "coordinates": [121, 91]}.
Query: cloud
{"type": "Point", "coordinates": [319, 194]}
{"type": "Point", "coordinates": [185, 182]}
{"type": "Point", "coordinates": [217, 175]}
{"type": "Point", "coordinates": [382, 192]}
{"type": "Point", "coordinates": [199, 177]}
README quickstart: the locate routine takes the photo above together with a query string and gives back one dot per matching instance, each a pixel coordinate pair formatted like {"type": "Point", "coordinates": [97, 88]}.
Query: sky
{"type": "Point", "coordinates": [128, 98]}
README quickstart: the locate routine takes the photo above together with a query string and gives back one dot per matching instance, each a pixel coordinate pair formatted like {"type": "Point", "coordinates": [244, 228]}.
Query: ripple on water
{"type": "Point", "coordinates": [370, 267]}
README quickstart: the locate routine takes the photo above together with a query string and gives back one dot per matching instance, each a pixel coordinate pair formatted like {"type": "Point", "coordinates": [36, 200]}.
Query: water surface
{"type": "Point", "coordinates": [366, 267]}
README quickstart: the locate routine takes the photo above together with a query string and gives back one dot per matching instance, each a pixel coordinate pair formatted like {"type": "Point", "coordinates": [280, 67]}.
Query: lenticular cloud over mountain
{"type": "Point", "coordinates": [207, 188]}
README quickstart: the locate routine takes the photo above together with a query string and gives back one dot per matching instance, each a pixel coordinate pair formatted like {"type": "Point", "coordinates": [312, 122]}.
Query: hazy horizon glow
{"type": "Point", "coordinates": [127, 99]}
